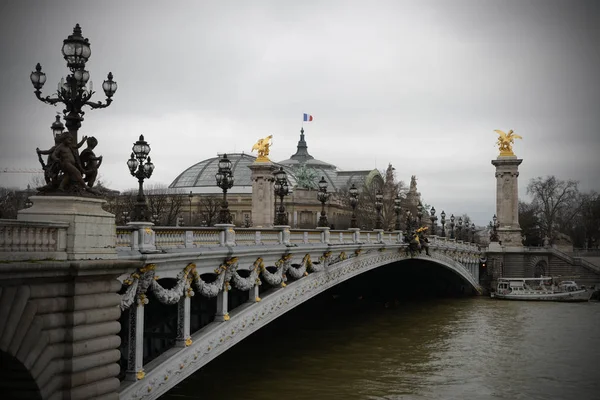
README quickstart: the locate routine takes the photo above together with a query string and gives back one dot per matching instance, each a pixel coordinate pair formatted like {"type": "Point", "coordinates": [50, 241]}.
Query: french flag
{"type": "Point", "coordinates": [308, 118]}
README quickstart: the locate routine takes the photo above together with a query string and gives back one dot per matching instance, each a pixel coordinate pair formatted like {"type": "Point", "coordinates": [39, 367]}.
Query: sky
{"type": "Point", "coordinates": [418, 84]}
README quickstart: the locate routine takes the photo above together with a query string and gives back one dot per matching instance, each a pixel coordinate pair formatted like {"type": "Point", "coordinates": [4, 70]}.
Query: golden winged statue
{"type": "Point", "coordinates": [505, 142]}
{"type": "Point", "coordinates": [262, 147]}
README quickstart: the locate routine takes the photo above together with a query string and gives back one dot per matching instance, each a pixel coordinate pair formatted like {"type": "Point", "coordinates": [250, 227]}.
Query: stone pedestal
{"type": "Point", "coordinates": [92, 231]}
{"type": "Point", "coordinates": [144, 238]}
{"type": "Point", "coordinates": [263, 194]}
{"type": "Point", "coordinates": [507, 200]}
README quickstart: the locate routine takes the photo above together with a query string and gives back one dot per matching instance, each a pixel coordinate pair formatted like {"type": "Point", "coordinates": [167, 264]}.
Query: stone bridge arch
{"type": "Point", "coordinates": [175, 365]}
{"type": "Point", "coordinates": [539, 266]}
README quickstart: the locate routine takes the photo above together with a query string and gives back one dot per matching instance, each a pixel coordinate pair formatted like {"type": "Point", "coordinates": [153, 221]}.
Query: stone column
{"type": "Point", "coordinates": [222, 306]}
{"type": "Point", "coordinates": [507, 200]}
{"type": "Point", "coordinates": [263, 194]}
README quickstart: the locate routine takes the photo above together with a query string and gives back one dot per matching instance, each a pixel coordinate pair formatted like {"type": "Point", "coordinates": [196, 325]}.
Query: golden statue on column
{"type": "Point", "coordinates": [262, 147]}
{"type": "Point", "coordinates": [505, 142]}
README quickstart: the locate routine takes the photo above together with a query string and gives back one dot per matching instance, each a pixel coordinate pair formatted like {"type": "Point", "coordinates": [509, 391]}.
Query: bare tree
{"type": "Point", "coordinates": [208, 208]}
{"type": "Point", "coordinates": [556, 202]}
{"type": "Point", "coordinates": [165, 204]}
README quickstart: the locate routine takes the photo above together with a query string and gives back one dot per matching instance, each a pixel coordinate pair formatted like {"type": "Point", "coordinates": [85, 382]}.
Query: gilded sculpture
{"type": "Point", "coordinates": [505, 142]}
{"type": "Point", "coordinates": [262, 147]}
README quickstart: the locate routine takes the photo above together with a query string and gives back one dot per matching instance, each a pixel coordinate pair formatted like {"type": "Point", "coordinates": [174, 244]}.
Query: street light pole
{"type": "Point", "coordinates": [224, 178]}
{"type": "Point", "coordinates": [74, 92]}
{"type": "Point", "coordinates": [452, 226]}
{"type": "Point", "coordinates": [281, 190]}
{"type": "Point", "coordinates": [190, 196]}
{"type": "Point", "coordinates": [322, 196]}
{"type": "Point", "coordinates": [353, 203]}
{"type": "Point", "coordinates": [397, 209]}
{"type": "Point", "coordinates": [378, 207]}
{"type": "Point", "coordinates": [141, 171]}
{"type": "Point", "coordinates": [433, 218]}
{"type": "Point", "coordinates": [443, 215]}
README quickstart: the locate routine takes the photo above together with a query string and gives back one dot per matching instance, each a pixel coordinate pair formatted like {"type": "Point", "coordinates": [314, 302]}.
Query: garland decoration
{"type": "Point", "coordinates": [300, 271]}
{"type": "Point", "coordinates": [245, 284]}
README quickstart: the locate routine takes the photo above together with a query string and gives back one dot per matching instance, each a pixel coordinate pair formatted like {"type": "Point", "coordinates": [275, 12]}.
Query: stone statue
{"type": "Point", "coordinates": [413, 183]}
{"type": "Point", "coordinates": [262, 147]}
{"type": "Point", "coordinates": [90, 162]}
{"type": "Point", "coordinates": [306, 177]}
{"type": "Point", "coordinates": [505, 142]}
{"type": "Point", "coordinates": [64, 172]}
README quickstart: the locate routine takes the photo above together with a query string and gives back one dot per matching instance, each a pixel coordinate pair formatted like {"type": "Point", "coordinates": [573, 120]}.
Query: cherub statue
{"type": "Point", "coordinates": [51, 168]}
{"type": "Point", "coordinates": [262, 147]}
{"type": "Point", "coordinates": [89, 162]}
{"type": "Point", "coordinates": [505, 142]}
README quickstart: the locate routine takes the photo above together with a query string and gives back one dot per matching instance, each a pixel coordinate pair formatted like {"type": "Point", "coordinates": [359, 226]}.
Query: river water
{"type": "Point", "coordinates": [450, 348]}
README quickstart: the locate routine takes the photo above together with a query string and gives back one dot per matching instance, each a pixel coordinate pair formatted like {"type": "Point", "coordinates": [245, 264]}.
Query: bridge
{"type": "Point", "coordinates": [69, 321]}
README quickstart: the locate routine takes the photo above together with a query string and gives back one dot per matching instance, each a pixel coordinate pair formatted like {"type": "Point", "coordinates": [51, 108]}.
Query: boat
{"type": "Point", "coordinates": [544, 288]}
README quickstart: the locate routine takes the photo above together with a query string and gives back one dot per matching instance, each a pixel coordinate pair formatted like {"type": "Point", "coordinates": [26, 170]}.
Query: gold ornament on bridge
{"type": "Point", "coordinates": [505, 142]}
{"type": "Point", "coordinates": [262, 147]}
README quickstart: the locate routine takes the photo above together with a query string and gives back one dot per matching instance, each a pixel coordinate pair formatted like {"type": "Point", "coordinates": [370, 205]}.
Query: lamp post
{"type": "Point", "coordinates": [28, 203]}
{"type": "Point", "coordinates": [460, 226]}
{"type": "Point", "coordinates": [154, 219]}
{"type": "Point", "coordinates": [141, 171]}
{"type": "Point", "coordinates": [126, 217]}
{"type": "Point", "coordinates": [397, 209]}
{"type": "Point", "coordinates": [190, 196]}
{"type": "Point", "coordinates": [74, 91]}
{"type": "Point", "coordinates": [473, 232]}
{"type": "Point", "coordinates": [353, 203]}
{"type": "Point", "coordinates": [322, 196]}
{"type": "Point", "coordinates": [247, 222]}
{"type": "Point", "coordinates": [443, 215]}
{"type": "Point", "coordinates": [494, 236]}
{"type": "Point", "coordinates": [433, 218]}
{"type": "Point", "coordinates": [378, 207]}
{"type": "Point", "coordinates": [281, 190]}
{"type": "Point", "coordinates": [419, 213]}
{"type": "Point", "coordinates": [452, 226]}
{"type": "Point", "coordinates": [224, 179]}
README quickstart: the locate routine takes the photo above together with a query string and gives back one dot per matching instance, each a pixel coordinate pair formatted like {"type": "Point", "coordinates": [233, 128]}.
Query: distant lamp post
{"type": "Point", "coordinates": [494, 236]}
{"type": "Point", "coordinates": [353, 203]}
{"type": "Point", "coordinates": [28, 203]}
{"type": "Point", "coordinates": [473, 232]}
{"type": "Point", "coordinates": [378, 207]}
{"type": "Point", "coordinates": [74, 92]}
{"type": "Point", "coordinates": [154, 219]}
{"type": "Point", "coordinates": [433, 218]}
{"type": "Point", "coordinates": [443, 215]}
{"type": "Point", "coordinates": [322, 196]}
{"type": "Point", "coordinates": [281, 190]}
{"type": "Point", "coordinates": [452, 226]}
{"type": "Point", "coordinates": [224, 179]}
{"type": "Point", "coordinates": [397, 209]}
{"type": "Point", "coordinates": [126, 218]}
{"type": "Point", "coordinates": [141, 171]}
{"type": "Point", "coordinates": [419, 213]}
{"type": "Point", "coordinates": [190, 197]}
{"type": "Point", "coordinates": [459, 227]}
{"type": "Point", "coordinates": [247, 222]}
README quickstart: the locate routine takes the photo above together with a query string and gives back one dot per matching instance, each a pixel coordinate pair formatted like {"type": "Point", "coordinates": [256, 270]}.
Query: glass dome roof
{"type": "Point", "coordinates": [201, 176]}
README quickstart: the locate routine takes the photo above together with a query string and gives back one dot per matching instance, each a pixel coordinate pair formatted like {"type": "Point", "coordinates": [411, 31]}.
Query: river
{"type": "Point", "coordinates": [450, 348]}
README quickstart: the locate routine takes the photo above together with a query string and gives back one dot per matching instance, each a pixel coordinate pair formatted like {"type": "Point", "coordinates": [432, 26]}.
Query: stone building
{"type": "Point", "coordinates": [303, 172]}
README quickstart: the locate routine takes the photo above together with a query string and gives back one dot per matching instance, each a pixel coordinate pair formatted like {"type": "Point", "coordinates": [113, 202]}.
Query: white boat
{"type": "Point", "coordinates": [541, 289]}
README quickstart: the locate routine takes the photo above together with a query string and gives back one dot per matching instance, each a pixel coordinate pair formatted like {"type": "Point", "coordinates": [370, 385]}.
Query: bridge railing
{"type": "Point", "coordinates": [25, 240]}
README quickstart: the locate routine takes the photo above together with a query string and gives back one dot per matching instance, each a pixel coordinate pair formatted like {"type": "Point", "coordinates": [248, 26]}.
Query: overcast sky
{"type": "Point", "coordinates": [419, 84]}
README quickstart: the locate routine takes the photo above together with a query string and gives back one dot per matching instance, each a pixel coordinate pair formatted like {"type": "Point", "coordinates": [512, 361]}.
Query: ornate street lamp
{"type": "Point", "coordinates": [281, 190]}
{"type": "Point", "coordinates": [247, 222]}
{"type": "Point", "coordinates": [378, 207]}
{"type": "Point", "coordinates": [28, 203]}
{"type": "Point", "coordinates": [224, 179]}
{"type": "Point", "coordinates": [419, 213]}
{"type": "Point", "coordinates": [443, 215]}
{"type": "Point", "coordinates": [397, 209]}
{"type": "Point", "coordinates": [494, 236]}
{"type": "Point", "coordinates": [74, 91]}
{"type": "Point", "coordinates": [473, 232]}
{"type": "Point", "coordinates": [452, 226]}
{"type": "Point", "coordinates": [190, 197]}
{"type": "Point", "coordinates": [353, 203]}
{"type": "Point", "coordinates": [433, 218]}
{"type": "Point", "coordinates": [322, 196]}
{"type": "Point", "coordinates": [460, 225]}
{"type": "Point", "coordinates": [126, 217]}
{"type": "Point", "coordinates": [141, 171]}
{"type": "Point", "coordinates": [154, 219]}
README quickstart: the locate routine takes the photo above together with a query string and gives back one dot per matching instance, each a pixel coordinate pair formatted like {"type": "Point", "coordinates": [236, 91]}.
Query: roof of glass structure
{"type": "Point", "coordinates": [202, 174]}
